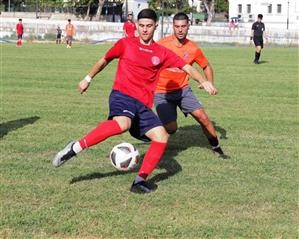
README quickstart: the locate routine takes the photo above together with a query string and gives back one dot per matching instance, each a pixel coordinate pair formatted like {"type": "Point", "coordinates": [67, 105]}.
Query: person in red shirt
{"type": "Point", "coordinates": [173, 88]}
{"type": "Point", "coordinates": [19, 31]}
{"type": "Point", "coordinates": [132, 97]}
{"type": "Point", "coordinates": [129, 26]}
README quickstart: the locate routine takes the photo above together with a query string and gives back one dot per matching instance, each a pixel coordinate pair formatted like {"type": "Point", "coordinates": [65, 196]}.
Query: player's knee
{"type": "Point", "coordinates": [171, 128]}
{"type": "Point", "coordinates": [158, 134]}
{"type": "Point", "coordinates": [123, 122]}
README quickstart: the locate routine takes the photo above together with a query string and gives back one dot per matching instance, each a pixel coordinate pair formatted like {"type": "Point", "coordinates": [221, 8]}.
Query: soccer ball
{"type": "Point", "coordinates": [124, 157]}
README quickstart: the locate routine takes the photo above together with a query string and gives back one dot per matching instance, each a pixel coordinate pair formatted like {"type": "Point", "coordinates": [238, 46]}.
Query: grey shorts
{"type": "Point", "coordinates": [166, 104]}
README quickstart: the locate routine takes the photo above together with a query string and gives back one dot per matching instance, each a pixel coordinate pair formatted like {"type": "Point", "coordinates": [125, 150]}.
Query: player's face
{"type": "Point", "coordinates": [180, 29]}
{"type": "Point", "coordinates": [146, 29]}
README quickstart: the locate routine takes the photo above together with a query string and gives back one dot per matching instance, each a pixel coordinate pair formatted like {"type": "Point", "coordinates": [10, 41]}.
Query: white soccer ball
{"type": "Point", "coordinates": [124, 157]}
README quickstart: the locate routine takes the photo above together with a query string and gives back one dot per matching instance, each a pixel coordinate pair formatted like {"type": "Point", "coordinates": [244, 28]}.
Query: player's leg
{"type": "Point", "coordinates": [67, 41]}
{"type": "Point", "coordinates": [70, 41]}
{"type": "Point", "coordinates": [166, 109]}
{"type": "Point", "coordinates": [257, 54]}
{"type": "Point", "coordinates": [159, 138]}
{"type": "Point", "coordinates": [148, 124]}
{"type": "Point", "coordinates": [103, 131]}
{"type": "Point", "coordinates": [209, 130]}
{"type": "Point", "coordinates": [118, 123]}
{"type": "Point", "coordinates": [191, 105]}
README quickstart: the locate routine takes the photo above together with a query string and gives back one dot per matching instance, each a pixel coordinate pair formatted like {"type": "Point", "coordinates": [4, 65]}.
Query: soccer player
{"type": "Point", "coordinates": [129, 26]}
{"type": "Point", "coordinates": [173, 88]}
{"type": "Point", "coordinates": [132, 97]}
{"type": "Point", "coordinates": [257, 35]}
{"type": "Point", "coordinates": [19, 31]}
{"type": "Point", "coordinates": [70, 31]}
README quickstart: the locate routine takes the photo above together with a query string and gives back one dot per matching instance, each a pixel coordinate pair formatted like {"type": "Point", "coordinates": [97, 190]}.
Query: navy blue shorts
{"type": "Point", "coordinates": [143, 118]}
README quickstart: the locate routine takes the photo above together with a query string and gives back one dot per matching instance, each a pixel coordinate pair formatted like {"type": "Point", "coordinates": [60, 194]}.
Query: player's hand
{"type": "Point", "coordinates": [83, 85]}
{"type": "Point", "coordinates": [209, 87]}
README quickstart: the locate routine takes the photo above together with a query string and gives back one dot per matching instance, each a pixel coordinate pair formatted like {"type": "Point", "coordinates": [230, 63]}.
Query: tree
{"type": "Point", "coordinates": [210, 9]}
{"type": "Point", "coordinates": [99, 10]}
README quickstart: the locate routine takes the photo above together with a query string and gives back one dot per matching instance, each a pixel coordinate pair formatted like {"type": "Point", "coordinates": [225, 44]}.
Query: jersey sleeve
{"type": "Point", "coordinates": [115, 51]}
{"type": "Point", "coordinates": [200, 59]}
{"type": "Point", "coordinates": [173, 60]}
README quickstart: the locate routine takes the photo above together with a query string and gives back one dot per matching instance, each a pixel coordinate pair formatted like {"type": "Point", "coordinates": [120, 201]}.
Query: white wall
{"type": "Point", "coordinates": [289, 8]}
{"type": "Point", "coordinates": [105, 31]}
{"type": "Point", "coordinates": [136, 6]}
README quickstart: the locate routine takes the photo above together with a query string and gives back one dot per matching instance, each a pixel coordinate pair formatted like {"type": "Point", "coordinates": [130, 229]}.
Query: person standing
{"type": "Point", "coordinates": [257, 35]}
{"type": "Point", "coordinates": [70, 31]}
{"type": "Point", "coordinates": [173, 88]}
{"type": "Point", "coordinates": [58, 36]}
{"type": "Point", "coordinates": [129, 26]}
{"type": "Point", "coordinates": [132, 97]}
{"type": "Point", "coordinates": [20, 32]}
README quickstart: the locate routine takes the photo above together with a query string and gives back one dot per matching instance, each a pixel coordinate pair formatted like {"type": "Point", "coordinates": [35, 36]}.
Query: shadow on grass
{"type": "Point", "coordinates": [186, 137]}
{"type": "Point", "coordinates": [97, 175]}
{"type": "Point", "coordinates": [6, 127]}
{"type": "Point", "coordinates": [263, 62]}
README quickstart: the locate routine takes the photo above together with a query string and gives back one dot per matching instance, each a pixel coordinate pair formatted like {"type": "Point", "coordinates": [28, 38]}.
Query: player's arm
{"type": "Point", "coordinates": [251, 35]}
{"type": "Point", "coordinates": [265, 35]}
{"type": "Point", "coordinates": [98, 67]}
{"type": "Point", "coordinates": [208, 71]}
{"type": "Point", "coordinates": [207, 85]}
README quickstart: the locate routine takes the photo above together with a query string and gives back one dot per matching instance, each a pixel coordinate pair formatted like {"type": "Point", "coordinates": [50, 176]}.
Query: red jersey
{"type": "Point", "coordinates": [139, 67]}
{"type": "Point", "coordinates": [19, 29]}
{"type": "Point", "coordinates": [130, 28]}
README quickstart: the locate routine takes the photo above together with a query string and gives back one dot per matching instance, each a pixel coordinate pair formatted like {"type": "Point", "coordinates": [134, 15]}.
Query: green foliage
{"type": "Point", "coordinates": [252, 195]}
{"type": "Point", "coordinates": [170, 7]}
{"type": "Point", "coordinates": [221, 5]}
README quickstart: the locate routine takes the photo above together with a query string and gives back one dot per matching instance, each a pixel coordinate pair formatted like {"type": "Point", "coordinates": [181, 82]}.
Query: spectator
{"type": "Point", "coordinates": [19, 31]}
{"type": "Point", "coordinates": [58, 36]}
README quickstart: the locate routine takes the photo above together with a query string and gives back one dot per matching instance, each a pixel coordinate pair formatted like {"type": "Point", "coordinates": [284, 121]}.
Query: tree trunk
{"type": "Point", "coordinates": [88, 10]}
{"type": "Point", "coordinates": [210, 10]}
{"type": "Point", "coordinates": [100, 7]}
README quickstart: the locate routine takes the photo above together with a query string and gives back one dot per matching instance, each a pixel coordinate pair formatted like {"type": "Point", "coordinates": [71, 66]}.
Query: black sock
{"type": "Point", "coordinates": [213, 141]}
{"type": "Point", "coordinates": [258, 55]}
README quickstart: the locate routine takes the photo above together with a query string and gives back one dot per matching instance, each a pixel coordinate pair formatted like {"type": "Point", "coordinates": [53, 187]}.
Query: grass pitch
{"type": "Point", "coordinates": [252, 195]}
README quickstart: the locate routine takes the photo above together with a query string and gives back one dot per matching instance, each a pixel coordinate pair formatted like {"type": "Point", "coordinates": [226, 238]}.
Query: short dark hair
{"type": "Point", "coordinates": [69, 20]}
{"type": "Point", "coordinates": [147, 13]}
{"type": "Point", "coordinates": [181, 16]}
{"type": "Point", "coordinates": [20, 19]}
{"type": "Point", "coordinates": [260, 16]}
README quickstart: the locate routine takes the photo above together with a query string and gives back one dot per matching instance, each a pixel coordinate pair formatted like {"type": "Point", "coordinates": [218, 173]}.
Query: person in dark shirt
{"type": "Point", "coordinates": [257, 34]}
{"type": "Point", "coordinates": [58, 36]}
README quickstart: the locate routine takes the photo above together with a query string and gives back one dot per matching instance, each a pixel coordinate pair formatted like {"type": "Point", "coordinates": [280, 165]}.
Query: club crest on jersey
{"type": "Point", "coordinates": [155, 60]}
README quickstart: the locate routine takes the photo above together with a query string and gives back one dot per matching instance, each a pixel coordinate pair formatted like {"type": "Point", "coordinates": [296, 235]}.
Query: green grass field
{"type": "Point", "coordinates": [252, 195]}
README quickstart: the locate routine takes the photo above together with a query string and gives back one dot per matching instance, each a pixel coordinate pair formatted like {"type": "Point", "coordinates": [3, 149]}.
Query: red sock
{"type": "Point", "coordinates": [103, 131]}
{"type": "Point", "coordinates": [152, 158]}
{"type": "Point", "coordinates": [20, 42]}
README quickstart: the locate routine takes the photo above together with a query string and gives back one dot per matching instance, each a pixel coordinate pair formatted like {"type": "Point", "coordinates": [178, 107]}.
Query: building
{"type": "Point", "coordinates": [274, 11]}
{"type": "Point", "coordinates": [135, 6]}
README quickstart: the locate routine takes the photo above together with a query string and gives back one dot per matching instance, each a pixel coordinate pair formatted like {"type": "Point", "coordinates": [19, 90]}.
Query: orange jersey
{"type": "Point", "coordinates": [69, 29]}
{"type": "Point", "coordinates": [172, 79]}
